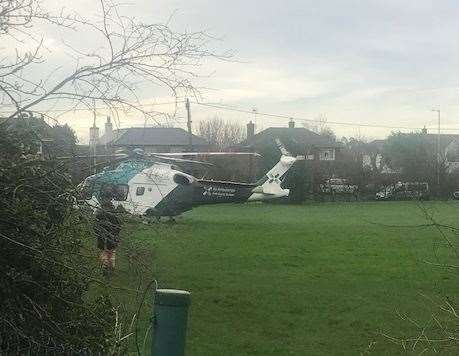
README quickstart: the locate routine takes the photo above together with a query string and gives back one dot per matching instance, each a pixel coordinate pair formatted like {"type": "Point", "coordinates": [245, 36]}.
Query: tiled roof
{"type": "Point", "coordinates": [157, 136]}
{"type": "Point", "coordinates": [297, 135]}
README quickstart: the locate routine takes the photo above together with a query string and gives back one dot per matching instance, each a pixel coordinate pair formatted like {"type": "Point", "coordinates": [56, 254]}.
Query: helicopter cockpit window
{"type": "Point", "coordinates": [121, 192]}
{"type": "Point", "coordinates": [107, 191]}
{"type": "Point", "coordinates": [140, 191]}
{"type": "Point", "coordinates": [118, 192]}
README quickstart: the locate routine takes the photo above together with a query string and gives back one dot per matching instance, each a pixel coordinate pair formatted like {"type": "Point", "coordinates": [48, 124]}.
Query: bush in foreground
{"type": "Point", "coordinates": [45, 272]}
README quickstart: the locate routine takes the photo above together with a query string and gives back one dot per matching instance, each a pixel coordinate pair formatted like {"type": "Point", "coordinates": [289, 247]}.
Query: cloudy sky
{"type": "Point", "coordinates": [380, 62]}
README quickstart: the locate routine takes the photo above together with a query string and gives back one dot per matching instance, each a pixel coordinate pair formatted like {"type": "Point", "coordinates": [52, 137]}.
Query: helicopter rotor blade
{"type": "Point", "coordinates": [193, 154]}
{"type": "Point", "coordinates": [181, 160]}
{"type": "Point", "coordinates": [116, 155]}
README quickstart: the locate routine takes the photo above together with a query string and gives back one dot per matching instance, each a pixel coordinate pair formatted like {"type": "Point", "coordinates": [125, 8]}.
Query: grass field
{"type": "Point", "coordinates": [321, 279]}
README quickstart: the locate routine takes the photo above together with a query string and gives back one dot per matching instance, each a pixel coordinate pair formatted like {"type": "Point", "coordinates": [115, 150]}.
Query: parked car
{"type": "Point", "coordinates": [404, 191]}
{"type": "Point", "coordinates": [338, 186]}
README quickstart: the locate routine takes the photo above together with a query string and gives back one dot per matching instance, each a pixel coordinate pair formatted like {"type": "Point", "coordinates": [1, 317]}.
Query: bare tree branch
{"type": "Point", "coordinates": [133, 59]}
{"type": "Point", "coordinates": [221, 134]}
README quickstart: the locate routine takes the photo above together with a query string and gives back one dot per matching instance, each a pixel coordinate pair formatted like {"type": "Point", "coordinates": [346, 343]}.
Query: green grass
{"type": "Point", "coordinates": [321, 279]}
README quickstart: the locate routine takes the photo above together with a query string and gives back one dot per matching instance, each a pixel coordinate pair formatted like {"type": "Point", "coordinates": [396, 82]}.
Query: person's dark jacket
{"type": "Point", "coordinates": [107, 228]}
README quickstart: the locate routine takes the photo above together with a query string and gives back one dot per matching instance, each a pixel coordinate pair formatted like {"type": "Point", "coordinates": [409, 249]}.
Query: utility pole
{"type": "Point", "coordinates": [93, 140]}
{"type": "Point", "coordinates": [188, 123]}
{"type": "Point", "coordinates": [438, 151]}
{"type": "Point", "coordinates": [94, 147]}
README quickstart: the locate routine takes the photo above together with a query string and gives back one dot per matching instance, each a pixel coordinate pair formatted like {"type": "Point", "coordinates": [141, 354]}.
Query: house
{"type": "Point", "coordinates": [452, 156]}
{"type": "Point", "coordinates": [150, 139]}
{"type": "Point", "coordinates": [320, 152]}
{"type": "Point", "coordinates": [34, 125]}
{"type": "Point", "coordinates": [297, 140]}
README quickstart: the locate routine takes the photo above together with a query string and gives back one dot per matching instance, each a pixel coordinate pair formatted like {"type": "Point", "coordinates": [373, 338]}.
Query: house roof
{"type": "Point", "coordinates": [106, 139]}
{"type": "Point", "coordinates": [157, 136]}
{"type": "Point", "coordinates": [297, 136]}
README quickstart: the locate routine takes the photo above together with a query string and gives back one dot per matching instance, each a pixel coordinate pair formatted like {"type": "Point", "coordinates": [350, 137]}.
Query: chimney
{"type": "Point", "coordinates": [93, 135]}
{"type": "Point", "coordinates": [108, 131]}
{"type": "Point", "coordinates": [291, 124]}
{"type": "Point", "coordinates": [250, 130]}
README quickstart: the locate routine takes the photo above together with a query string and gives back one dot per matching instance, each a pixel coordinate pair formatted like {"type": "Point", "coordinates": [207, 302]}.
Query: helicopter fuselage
{"type": "Point", "coordinates": [143, 187]}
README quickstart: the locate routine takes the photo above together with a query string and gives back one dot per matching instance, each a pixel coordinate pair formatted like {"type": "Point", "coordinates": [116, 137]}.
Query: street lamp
{"type": "Point", "coordinates": [438, 150]}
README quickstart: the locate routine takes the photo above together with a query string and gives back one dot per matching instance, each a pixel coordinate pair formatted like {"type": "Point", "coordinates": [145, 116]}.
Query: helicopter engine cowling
{"type": "Point", "coordinates": [182, 179]}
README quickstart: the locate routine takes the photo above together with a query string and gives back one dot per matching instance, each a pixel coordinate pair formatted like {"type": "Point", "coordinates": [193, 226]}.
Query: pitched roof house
{"type": "Point", "coordinates": [297, 140]}
{"type": "Point", "coordinates": [32, 124]}
{"type": "Point", "coordinates": [152, 139]}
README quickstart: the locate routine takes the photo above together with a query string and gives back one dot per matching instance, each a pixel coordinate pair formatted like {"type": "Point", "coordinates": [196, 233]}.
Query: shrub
{"type": "Point", "coordinates": [44, 274]}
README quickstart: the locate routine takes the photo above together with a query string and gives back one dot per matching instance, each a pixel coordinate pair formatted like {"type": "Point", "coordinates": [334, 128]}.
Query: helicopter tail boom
{"type": "Point", "coordinates": [269, 187]}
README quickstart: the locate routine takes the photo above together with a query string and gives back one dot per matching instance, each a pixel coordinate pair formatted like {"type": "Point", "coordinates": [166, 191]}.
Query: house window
{"type": "Point", "coordinates": [327, 155]}
{"type": "Point", "coordinates": [140, 191]}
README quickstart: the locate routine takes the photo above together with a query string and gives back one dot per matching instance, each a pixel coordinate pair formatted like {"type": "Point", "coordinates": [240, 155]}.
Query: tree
{"type": "Point", "coordinates": [64, 140]}
{"type": "Point", "coordinates": [221, 134]}
{"type": "Point", "coordinates": [328, 133]}
{"type": "Point", "coordinates": [128, 59]}
{"type": "Point", "coordinates": [414, 155]}
{"type": "Point", "coordinates": [354, 166]}
{"type": "Point", "coordinates": [45, 272]}
{"type": "Point", "coordinates": [320, 127]}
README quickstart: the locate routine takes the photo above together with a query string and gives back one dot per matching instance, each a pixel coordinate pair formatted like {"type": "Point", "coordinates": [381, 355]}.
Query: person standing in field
{"type": "Point", "coordinates": [107, 228]}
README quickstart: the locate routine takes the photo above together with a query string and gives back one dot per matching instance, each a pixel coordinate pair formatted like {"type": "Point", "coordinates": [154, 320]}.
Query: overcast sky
{"type": "Point", "coordinates": [386, 62]}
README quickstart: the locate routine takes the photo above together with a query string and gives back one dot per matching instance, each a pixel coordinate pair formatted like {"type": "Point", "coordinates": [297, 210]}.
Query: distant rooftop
{"type": "Point", "coordinates": [157, 136]}
{"type": "Point", "coordinates": [298, 135]}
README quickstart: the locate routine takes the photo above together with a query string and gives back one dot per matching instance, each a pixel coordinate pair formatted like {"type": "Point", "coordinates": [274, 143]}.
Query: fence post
{"type": "Point", "coordinates": [170, 316]}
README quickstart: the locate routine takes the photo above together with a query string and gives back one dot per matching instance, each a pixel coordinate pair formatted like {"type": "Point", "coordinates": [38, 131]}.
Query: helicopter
{"type": "Point", "coordinates": [155, 185]}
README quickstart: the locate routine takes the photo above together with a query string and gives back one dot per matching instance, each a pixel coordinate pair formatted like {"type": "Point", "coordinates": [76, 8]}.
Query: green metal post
{"type": "Point", "coordinates": [170, 320]}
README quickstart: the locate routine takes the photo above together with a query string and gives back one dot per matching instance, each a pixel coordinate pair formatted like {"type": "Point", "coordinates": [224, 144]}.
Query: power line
{"type": "Point", "coordinates": [99, 107]}
{"type": "Point", "coordinates": [283, 116]}
{"type": "Point", "coordinates": [253, 112]}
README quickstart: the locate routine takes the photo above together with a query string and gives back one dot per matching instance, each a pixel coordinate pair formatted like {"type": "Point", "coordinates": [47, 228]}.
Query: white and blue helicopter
{"type": "Point", "coordinates": [154, 185]}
